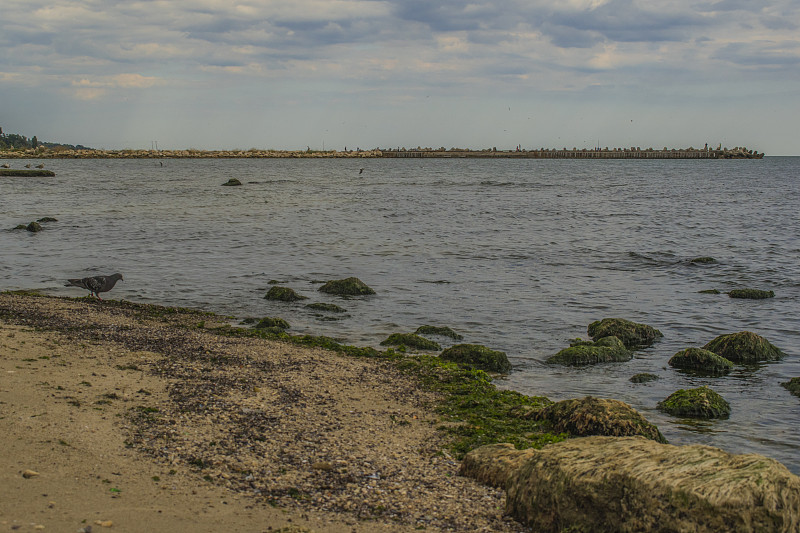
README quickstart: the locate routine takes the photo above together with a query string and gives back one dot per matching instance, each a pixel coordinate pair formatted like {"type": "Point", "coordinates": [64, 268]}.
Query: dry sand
{"type": "Point", "coordinates": [112, 417]}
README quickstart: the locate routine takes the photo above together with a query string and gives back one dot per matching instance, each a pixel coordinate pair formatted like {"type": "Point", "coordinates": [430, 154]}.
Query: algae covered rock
{"type": "Point", "coordinates": [701, 402]}
{"type": "Point", "coordinates": [283, 294]}
{"type": "Point", "coordinates": [631, 334]}
{"type": "Point", "coordinates": [793, 386]}
{"type": "Point", "coordinates": [644, 377]}
{"type": "Point", "coordinates": [479, 357]}
{"type": "Point", "coordinates": [233, 182]}
{"type": "Point", "coordinates": [347, 287]}
{"type": "Point", "coordinates": [47, 219]}
{"type": "Point", "coordinates": [702, 361]}
{"type": "Point", "coordinates": [703, 260]}
{"type": "Point", "coordinates": [632, 484]}
{"type": "Point", "coordinates": [410, 340]}
{"type": "Point", "coordinates": [710, 291]}
{"type": "Point", "coordinates": [605, 350]}
{"type": "Point", "coordinates": [751, 294]}
{"type": "Point", "coordinates": [595, 416]}
{"type": "Point", "coordinates": [272, 323]}
{"type": "Point", "coordinates": [441, 331]}
{"type": "Point", "coordinates": [744, 347]}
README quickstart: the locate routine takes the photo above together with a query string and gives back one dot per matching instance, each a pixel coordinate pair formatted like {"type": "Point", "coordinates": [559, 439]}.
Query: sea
{"type": "Point", "coordinates": [517, 255]}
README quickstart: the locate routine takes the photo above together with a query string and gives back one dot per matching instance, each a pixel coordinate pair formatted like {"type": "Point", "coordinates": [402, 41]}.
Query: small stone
{"type": "Point", "coordinates": [104, 523]}
{"type": "Point", "coordinates": [27, 474]}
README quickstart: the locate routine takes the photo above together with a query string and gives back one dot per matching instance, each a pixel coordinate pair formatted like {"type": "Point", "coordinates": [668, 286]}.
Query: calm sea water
{"type": "Point", "coordinates": [518, 255]}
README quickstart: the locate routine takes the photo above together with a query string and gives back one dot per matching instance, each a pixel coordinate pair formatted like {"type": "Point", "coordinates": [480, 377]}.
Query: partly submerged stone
{"type": "Point", "coordinates": [479, 357]}
{"type": "Point", "coordinates": [47, 219]}
{"type": "Point", "coordinates": [644, 377]}
{"type": "Point", "coordinates": [283, 294]}
{"type": "Point", "coordinates": [410, 340]}
{"type": "Point", "coordinates": [441, 331]}
{"type": "Point", "coordinates": [744, 347]}
{"type": "Point", "coordinates": [710, 291]}
{"type": "Point", "coordinates": [233, 182]}
{"type": "Point", "coordinates": [582, 417]}
{"type": "Point", "coordinates": [631, 334]}
{"type": "Point", "coordinates": [751, 294]}
{"type": "Point", "coordinates": [701, 402]}
{"type": "Point", "coordinates": [793, 386]}
{"type": "Point", "coordinates": [702, 361]}
{"type": "Point", "coordinates": [347, 287]}
{"type": "Point", "coordinates": [703, 260]}
{"type": "Point", "coordinates": [33, 227]}
{"type": "Point", "coordinates": [634, 484]}
{"type": "Point", "coordinates": [605, 350]}
{"type": "Point", "coordinates": [331, 308]}
{"type": "Point", "coordinates": [272, 323]}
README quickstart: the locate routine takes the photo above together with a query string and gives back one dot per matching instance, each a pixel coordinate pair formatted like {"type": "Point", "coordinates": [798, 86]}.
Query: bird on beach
{"type": "Point", "coordinates": [5, 165]}
{"type": "Point", "coordinates": [95, 284]}
{"type": "Point", "coordinates": [40, 165]}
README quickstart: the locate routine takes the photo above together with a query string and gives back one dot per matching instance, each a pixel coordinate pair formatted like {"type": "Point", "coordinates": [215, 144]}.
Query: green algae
{"type": "Point", "coordinates": [346, 287]}
{"type": "Point", "coordinates": [701, 402]}
{"type": "Point", "coordinates": [441, 331]}
{"type": "Point", "coordinates": [478, 356]}
{"type": "Point", "coordinates": [410, 340]}
{"type": "Point", "coordinates": [793, 386]}
{"type": "Point", "coordinates": [701, 361]}
{"type": "Point", "coordinates": [331, 308]}
{"type": "Point", "coordinates": [272, 323]}
{"type": "Point", "coordinates": [703, 260]}
{"type": "Point", "coordinates": [283, 294]}
{"type": "Point", "coordinates": [605, 350]}
{"type": "Point", "coordinates": [233, 182]}
{"type": "Point", "coordinates": [751, 294]}
{"type": "Point", "coordinates": [744, 347]}
{"type": "Point", "coordinates": [631, 334]}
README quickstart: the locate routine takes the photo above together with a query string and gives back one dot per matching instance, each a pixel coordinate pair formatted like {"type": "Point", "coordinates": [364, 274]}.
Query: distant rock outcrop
{"type": "Point", "coordinates": [631, 484]}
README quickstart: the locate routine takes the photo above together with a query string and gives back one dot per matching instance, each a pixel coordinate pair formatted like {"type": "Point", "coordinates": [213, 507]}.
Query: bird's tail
{"type": "Point", "coordinates": [72, 283]}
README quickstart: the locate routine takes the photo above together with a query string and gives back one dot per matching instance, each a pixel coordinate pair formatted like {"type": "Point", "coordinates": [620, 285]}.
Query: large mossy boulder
{"type": "Point", "coordinates": [751, 294]}
{"type": "Point", "coordinates": [793, 386]}
{"type": "Point", "coordinates": [347, 287]}
{"type": "Point", "coordinates": [701, 402]}
{"type": "Point", "coordinates": [631, 334]}
{"type": "Point", "coordinates": [283, 294]}
{"type": "Point", "coordinates": [605, 350]}
{"type": "Point", "coordinates": [701, 361]}
{"type": "Point", "coordinates": [410, 340]}
{"type": "Point", "coordinates": [478, 356]}
{"type": "Point", "coordinates": [632, 484]}
{"type": "Point", "coordinates": [744, 347]}
{"type": "Point", "coordinates": [582, 417]}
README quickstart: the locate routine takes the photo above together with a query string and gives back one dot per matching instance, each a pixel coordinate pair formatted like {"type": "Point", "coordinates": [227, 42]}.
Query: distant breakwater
{"type": "Point", "coordinates": [454, 153]}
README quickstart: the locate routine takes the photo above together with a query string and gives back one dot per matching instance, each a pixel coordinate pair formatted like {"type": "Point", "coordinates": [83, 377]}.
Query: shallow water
{"type": "Point", "coordinates": [518, 255]}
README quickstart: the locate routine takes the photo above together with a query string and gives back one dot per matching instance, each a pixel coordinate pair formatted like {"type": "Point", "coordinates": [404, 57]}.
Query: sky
{"type": "Point", "coordinates": [330, 74]}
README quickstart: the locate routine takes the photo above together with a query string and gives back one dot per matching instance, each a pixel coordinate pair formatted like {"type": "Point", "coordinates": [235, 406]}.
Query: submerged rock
{"type": "Point", "coordinates": [478, 356]}
{"type": "Point", "coordinates": [410, 340]}
{"type": "Point", "coordinates": [701, 402]}
{"type": "Point", "coordinates": [793, 386]}
{"type": "Point", "coordinates": [442, 331]}
{"type": "Point", "coordinates": [233, 182]}
{"type": "Point", "coordinates": [582, 417]}
{"type": "Point", "coordinates": [643, 378]}
{"type": "Point", "coordinates": [605, 350]}
{"type": "Point", "coordinates": [631, 334]}
{"type": "Point", "coordinates": [700, 360]}
{"type": "Point", "coordinates": [47, 219]}
{"type": "Point", "coordinates": [634, 484]}
{"type": "Point", "coordinates": [331, 308]}
{"type": "Point", "coordinates": [710, 291]}
{"type": "Point", "coordinates": [346, 287]}
{"type": "Point", "coordinates": [283, 294]}
{"type": "Point", "coordinates": [744, 347]}
{"type": "Point", "coordinates": [751, 294]}
{"type": "Point", "coordinates": [703, 260]}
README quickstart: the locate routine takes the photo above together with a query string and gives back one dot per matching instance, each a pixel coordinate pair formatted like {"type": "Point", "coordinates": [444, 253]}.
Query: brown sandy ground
{"type": "Point", "coordinates": [142, 421]}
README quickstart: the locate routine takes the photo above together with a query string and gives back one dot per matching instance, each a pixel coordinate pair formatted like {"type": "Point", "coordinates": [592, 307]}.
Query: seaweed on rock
{"type": "Point", "coordinates": [283, 294]}
{"type": "Point", "coordinates": [605, 350]}
{"type": "Point", "coordinates": [478, 356]}
{"type": "Point", "coordinates": [701, 402]}
{"type": "Point", "coordinates": [631, 334]}
{"type": "Point", "coordinates": [410, 340]}
{"type": "Point", "coordinates": [744, 347]}
{"type": "Point", "coordinates": [701, 361]}
{"type": "Point", "coordinates": [347, 287]}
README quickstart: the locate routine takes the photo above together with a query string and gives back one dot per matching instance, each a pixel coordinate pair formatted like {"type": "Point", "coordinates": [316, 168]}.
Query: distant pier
{"type": "Point", "coordinates": [616, 153]}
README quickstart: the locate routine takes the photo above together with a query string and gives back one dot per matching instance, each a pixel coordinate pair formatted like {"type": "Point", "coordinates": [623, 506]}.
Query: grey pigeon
{"type": "Point", "coordinates": [96, 284]}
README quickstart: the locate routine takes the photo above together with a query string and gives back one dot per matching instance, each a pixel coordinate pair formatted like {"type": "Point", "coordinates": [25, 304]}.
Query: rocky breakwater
{"type": "Point", "coordinates": [636, 484]}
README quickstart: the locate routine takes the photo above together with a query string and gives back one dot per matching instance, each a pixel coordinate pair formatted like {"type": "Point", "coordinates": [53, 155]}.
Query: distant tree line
{"type": "Point", "coordinates": [14, 141]}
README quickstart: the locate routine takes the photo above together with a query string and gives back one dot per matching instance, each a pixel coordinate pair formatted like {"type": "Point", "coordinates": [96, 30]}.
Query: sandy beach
{"type": "Point", "coordinates": [133, 418]}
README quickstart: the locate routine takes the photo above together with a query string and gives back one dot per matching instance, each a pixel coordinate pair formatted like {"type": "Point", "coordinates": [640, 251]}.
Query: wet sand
{"type": "Point", "coordinates": [120, 416]}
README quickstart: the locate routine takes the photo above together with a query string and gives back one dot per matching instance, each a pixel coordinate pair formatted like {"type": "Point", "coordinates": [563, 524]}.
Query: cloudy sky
{"type": "Point", "coordinates": [365, 73]}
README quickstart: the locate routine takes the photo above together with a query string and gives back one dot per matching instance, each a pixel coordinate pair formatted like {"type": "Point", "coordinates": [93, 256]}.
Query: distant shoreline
{"type": "Point", "coordinates": [399, 153]}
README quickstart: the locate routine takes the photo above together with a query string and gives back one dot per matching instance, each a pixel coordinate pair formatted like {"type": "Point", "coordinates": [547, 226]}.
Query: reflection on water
{"type": "Point", "coordinates": [518, 255]}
